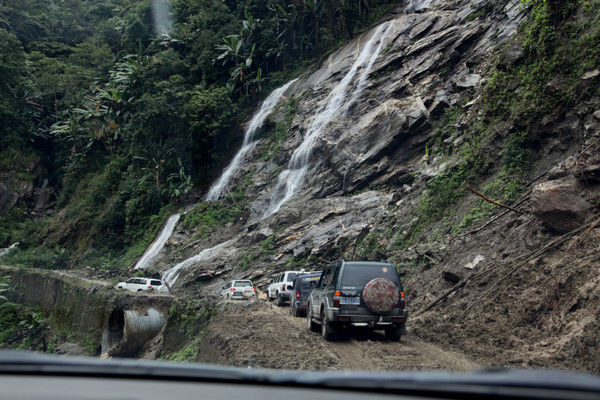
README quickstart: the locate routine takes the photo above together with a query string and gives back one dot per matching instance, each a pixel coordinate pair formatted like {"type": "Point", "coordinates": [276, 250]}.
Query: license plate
{"type": "Point", "coordinates": [237, 293]}
{"type": "Point", "coordinates": [350, 300]}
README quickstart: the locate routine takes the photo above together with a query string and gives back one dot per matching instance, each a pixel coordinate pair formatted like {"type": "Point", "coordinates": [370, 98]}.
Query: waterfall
{"type": "Point", "coordinates": [7, 250]}
{"type": "Point", "coordinates": [171, 275]}
{"type": "Point", "coordinates": [336, 104]}
{"type": "Point", "coordinates": [417, 6]}
{"type": "Point", "coordinates": [253, 126]}
{"type": "Point", "coordinates": [151, 252]}
{"type": "Point", "coordinates": [161, 14]}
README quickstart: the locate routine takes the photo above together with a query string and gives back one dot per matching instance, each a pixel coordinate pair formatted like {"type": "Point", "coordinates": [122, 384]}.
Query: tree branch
{"type": "Point", "coordinates": [470, 189]}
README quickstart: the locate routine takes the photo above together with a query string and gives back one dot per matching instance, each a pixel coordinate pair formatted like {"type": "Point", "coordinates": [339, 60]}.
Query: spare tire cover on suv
{"type": "Point", "coordinates": [380, 295]}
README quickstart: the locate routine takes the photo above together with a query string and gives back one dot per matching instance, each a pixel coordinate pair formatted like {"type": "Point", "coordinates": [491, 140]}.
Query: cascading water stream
{"type": "Point", "coordinates": [171, 275]}
{"type": "Point", "coordinates": [417, 6]}
{"type": "Point", "coordinates": [8, 249]}
{"type": "Point", "coordinates": [253, 126]}
{"type": "Point", "coordinates": [336, 105]}
{"type": "Point", "coordinates": [215, 192]}
{"type": "Point", "coordinates": [151, 252]}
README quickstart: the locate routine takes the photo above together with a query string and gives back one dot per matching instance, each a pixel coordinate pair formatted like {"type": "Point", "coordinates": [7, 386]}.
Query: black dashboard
{"type": "Point", "coordinates": [27, 376]}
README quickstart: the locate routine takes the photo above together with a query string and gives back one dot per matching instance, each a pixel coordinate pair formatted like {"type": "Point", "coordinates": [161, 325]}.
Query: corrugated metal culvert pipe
{"type": "Point", "coordinates": [126, 331]}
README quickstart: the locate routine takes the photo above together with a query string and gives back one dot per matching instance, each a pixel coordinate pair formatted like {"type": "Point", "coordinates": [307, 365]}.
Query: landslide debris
{"type": "Point", "coordinates": [260, 334]}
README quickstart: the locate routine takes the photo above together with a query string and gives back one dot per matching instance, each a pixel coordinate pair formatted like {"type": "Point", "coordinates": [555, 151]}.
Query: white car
{"type": "Point", "coordinates": [282, 286]}
{"type": "Point", "coordinates": [142, 285]}
{"type": "Point", "coordinates": [238, 289]}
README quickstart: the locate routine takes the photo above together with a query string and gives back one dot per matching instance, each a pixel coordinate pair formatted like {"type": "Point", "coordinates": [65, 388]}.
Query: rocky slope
{"type": "Point", "coordinates": [501, 286]}
{"type": "Point", "coordinates": [369, 156]}
{"type": "Point", "coordinates": [368, 159]}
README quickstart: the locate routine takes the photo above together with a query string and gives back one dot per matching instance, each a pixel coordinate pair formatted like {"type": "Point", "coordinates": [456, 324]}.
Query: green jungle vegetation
{"type": "Point", "coordinates": [127, 113]}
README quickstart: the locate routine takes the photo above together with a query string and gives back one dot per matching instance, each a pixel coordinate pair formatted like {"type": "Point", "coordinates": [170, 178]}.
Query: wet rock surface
{"type": "Point", "coordinates": [430, 59]}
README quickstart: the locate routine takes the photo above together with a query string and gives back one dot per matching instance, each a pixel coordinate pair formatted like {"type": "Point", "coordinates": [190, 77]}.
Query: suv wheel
{"type": "Point", "coordinates": [280, 301]}
{"type": "Point", "coordinates": [327, 331]}
{"type": "Point", "coordinates": [309, 321]}
{"type": "Point", "coordinates": [394, 333]}
{"type": "Point", "coordinates": [139, 290]}
{"type": "Point", "coordinates": [295, 311]}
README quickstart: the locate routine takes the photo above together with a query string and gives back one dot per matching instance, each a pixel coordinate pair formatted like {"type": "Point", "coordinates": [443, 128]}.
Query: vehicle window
{"type": "Point", "coordinates": [155, 283]}
{"type": "Point", "coordinates": [132, 280]}
{"type": "Point", "coordinates": [357, 276]}
{"type": "Point", "coordinates": [329, 279]}
{"type": "Point", "coordinates": [309, 283]}
{"type": "Point", "coordinates": [243, 284]}
{"type": "Point", "coordinates": [291, 276]}
{"type": "Point", "coordinates": [324, 278]}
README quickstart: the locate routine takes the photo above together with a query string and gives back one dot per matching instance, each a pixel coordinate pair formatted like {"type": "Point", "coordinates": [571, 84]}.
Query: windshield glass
{"type": "Point", "coordinates": [356, 276]}
{"type": "Point", "coordinates": [309, 282]}
{"type": "Point", "coordinates": [230, 148]}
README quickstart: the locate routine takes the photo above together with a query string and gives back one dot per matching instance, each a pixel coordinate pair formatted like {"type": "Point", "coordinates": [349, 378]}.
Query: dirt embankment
{"type": "Point", "coordinates": [542, 313]}
{"type": "Point", "coordinates": [260, 334]}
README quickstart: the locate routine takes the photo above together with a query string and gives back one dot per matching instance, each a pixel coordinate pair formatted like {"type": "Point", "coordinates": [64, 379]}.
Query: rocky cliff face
{"type": "Point", "coordinates": [366, 168]}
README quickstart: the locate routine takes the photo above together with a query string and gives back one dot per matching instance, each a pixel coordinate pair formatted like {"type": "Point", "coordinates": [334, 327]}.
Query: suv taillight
{"type": "Point", "coordinates": [298, 295]}
{"type": "Point", "coordinates": [283, 287]}
{"type": "Point", "coordinates": [402, 303]}
{"type": "Point", "coordinates": [233, 289]}
{"type": "Point", "coordinates": [336, 298]}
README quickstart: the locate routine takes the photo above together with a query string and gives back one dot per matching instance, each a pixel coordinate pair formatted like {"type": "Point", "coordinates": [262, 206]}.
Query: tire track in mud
{"type": "Point", "coordinates": [260, 334]}
{"type": "Point", "coordinates": [367, 350]}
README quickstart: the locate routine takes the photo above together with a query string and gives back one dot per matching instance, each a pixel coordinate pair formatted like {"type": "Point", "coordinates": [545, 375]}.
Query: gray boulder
{"type": "Point", "coordinates": [558, 203]}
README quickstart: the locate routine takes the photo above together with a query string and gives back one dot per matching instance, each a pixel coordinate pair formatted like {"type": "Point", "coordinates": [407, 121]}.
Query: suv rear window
{"type": "Point", "coordinates": [291, 276]}
{"type": "Point", "coordinates": [356, 276]}
{"type": "Point", "coordinates": [309, 282]}
{"type": "Point", "coordinates": [155, 283]}
{"type": "Point", "coordinates": [242, 284]}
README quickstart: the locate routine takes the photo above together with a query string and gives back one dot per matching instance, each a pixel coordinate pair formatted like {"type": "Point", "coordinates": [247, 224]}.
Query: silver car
{"type": "Point", "coordinates": [238, 289]}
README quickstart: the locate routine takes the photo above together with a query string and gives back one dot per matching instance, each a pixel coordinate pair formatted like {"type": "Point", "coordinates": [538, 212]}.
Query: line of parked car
{"type": "Point", "coordinates": [345, 294]}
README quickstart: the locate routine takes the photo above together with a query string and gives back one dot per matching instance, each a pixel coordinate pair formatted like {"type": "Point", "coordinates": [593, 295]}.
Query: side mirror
{"type": "Point", "coordinates": [290, 287]}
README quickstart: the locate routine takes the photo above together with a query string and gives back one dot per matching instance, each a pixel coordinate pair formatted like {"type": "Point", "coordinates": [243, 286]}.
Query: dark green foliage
{"type": "Point", "coordinates": [189, 320]}
{"type": "Point", "coordinates": [124, 123]}
{"type": "Point", "coordinates": [272, 147]}
{"type": "Point", "coordinates": [21, 326]}
{"type": "Point", "coordinates": [38, 257]}
{"type": "Point", "coordinates": [560, 42]}
{"type": "Point", "coordinates": [12, 88]}
{"type": "Point", "coordinates": [209, 216]}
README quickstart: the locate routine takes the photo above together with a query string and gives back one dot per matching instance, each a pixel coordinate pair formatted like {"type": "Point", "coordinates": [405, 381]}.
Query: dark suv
{"type": "Point", "coordinates": [303, 285]}
{"type": "Point", "coordinates": [358, 293]}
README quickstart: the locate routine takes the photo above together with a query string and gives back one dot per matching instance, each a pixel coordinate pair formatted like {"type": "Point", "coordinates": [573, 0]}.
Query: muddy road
{"type": "Point", "coordinates": [260, 334]}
